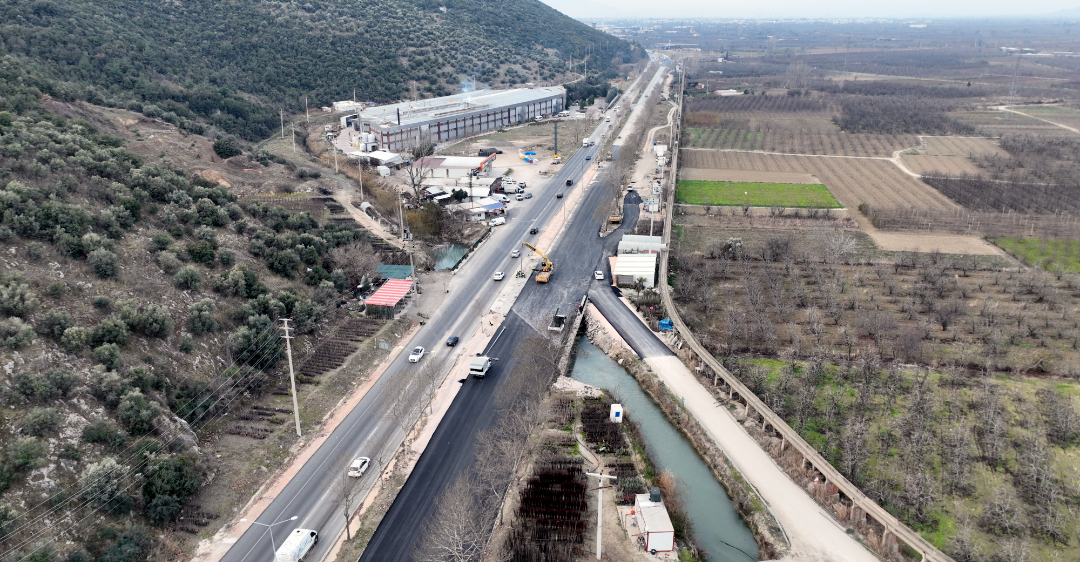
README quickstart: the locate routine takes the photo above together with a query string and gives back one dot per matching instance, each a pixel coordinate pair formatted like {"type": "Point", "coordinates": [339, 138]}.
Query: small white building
{"type": "Point", "coordinates": [378, 158]}
{"type": "Point", "coordinates": [458, 166]}
{"type": "Point", "coordinates": [629, 268]}
{"type": "Point", "coordinates": [348, 105]}
{"type": "Point", "coordinates": [655, 523]}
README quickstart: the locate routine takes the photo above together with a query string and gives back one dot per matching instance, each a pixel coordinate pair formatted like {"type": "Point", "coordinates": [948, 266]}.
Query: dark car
{"type": "Point", "coordinates": [588, 157]}
{"type": "Point", "coordinates": [558, 195]}
{"type": "Point", "coordinates": [569, 182]}
{"type": "Point", "coordinates": [533, 230]}
{"type": "Point", "coordinates": [452, 341]}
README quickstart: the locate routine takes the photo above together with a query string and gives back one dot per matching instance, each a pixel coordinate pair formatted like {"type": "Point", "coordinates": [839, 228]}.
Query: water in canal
{"type": "Point", "coordinates": [717, 528]}
{"type": "Point", "coordinates": [447, 256]}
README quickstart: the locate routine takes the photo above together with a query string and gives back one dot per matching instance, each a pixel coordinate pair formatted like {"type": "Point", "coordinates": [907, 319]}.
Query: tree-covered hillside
{"type": "Point", "coordinates": [234, 63]}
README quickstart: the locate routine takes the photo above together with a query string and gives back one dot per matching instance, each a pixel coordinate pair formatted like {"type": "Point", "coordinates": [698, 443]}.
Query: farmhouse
{"type": "Point", "coordinates": [396, 127]}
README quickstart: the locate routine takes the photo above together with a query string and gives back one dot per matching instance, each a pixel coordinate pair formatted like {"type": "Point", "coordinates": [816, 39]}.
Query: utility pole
{"type": "Point", "coordinates": [281, 114]}
{"type": "Point", "coordinates": [292, 374]}
{"type": "Point", "coordinates": [292, 129]}
{"type": "Point", "coordinates": [556, 135]}
{"type": "Point", "coordinates": [360, 169]}
{"type": "Point", "coordinates": [334, 148]}
{"type": "Point", "coordinates": [600, 509]}
{"type": "Point", "coordinates": [307, 114]}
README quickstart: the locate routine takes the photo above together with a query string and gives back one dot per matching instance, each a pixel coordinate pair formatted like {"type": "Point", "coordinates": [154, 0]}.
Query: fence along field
{"type": "Point", "coordinates": [878, 183]}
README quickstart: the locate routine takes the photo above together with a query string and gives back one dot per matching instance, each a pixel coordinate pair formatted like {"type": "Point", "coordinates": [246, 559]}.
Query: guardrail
{"type": "Point", "coordinates": [862, 505]}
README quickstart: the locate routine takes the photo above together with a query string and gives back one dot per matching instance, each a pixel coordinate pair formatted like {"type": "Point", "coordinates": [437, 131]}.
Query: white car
{"type": "Point", "coordinates": [417, 354]}
{"type": "Point", "coordinates": [598, 275]}
{"type": "Point", "coordinates": [359, 466]}
{"type": "Point", "coordinates": [498, 276]}
{"type": "Point", "coordinates": [515, 254]}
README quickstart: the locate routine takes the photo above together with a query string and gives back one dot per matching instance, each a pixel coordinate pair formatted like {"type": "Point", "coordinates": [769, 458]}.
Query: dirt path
{"type": "Point", "coordinates": [1066, 127]}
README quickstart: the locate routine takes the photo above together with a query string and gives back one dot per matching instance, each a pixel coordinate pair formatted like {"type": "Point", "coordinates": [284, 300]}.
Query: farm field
{"type": "Point", "coordinates": [755, 194]}
{"type": "Point", "coordinates": [959, 146]}
{"type": "Point", "coordinates": [997, 123]}
{"type": "Point", "coordinates": [851, 181]}
{"type": "Point", "coordinates": [744, 175]}
{"type": "Point", "coordinates": [1055, 113]}
{"type": "Point", "coordinates": [1052, 255]}
{"type": "Point", "coordinates": [950, 165]}
{"type": "Point", "coordinates": [798, 141]}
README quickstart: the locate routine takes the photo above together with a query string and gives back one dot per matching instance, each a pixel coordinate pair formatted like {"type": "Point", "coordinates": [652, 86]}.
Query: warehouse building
{"type": "Point", "coordinates": [398, 126]}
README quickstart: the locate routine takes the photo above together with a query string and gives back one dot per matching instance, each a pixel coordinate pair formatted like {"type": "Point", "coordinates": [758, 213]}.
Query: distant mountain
{"type": "Point", "coordinates": [1066, 13]}
{"type": "Point", "coordinates": [232, 64]}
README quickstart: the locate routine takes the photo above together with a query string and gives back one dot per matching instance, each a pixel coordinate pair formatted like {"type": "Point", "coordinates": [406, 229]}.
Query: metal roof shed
{"type": "Point", "coordinates": [629, 268]}
{"type": "Point", "coordinates": [394, 271]}
{"type": "Point", "coordinates": [388, 300]}
{"type": "Point", "coordinates": [655, 524]}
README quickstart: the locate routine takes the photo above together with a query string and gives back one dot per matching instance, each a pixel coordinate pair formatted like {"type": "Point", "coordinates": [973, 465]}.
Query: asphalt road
{"type": "Point", "coordinates": [579, 252]}
{"type": "Point", "coordinates": [366, 430]}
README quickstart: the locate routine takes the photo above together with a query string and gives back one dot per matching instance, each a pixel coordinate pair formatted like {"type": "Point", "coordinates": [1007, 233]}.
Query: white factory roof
{"type": "Point", "coordinates": [437, 109]}
{"type": "Point", "coordinates": [638, 244]}
{"type": "Point", "coordinates": [635, 266]}
{"type": "Point", "coordinates": [456, 162]}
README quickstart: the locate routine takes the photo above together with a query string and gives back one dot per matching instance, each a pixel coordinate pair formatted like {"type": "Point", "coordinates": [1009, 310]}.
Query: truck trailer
{"type": "Point", "coordinates": [479, 366]}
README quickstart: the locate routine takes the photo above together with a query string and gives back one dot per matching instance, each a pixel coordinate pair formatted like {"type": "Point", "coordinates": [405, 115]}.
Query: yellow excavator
{"type": "Point", "coordinates": [546, 269]}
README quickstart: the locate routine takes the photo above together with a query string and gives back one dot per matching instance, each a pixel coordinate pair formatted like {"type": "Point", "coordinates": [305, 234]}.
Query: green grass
{"type": "Point", "coordinates": [1049, 254]}
{"type": "Point", "coordinates": [755, 194]}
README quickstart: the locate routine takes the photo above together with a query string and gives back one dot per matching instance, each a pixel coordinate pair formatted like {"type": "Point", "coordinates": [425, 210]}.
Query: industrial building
{"type": "Point", "coordinates": [398, 126]}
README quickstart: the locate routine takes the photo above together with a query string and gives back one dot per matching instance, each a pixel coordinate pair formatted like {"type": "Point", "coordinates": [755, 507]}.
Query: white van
{"type": "Point", "coordinates": [497, 221]}
{"type": "Point", "coordinates": [500, 198]}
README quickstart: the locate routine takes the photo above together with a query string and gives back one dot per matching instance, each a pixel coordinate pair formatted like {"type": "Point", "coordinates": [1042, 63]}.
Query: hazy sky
{"type": "Point", "coordinates": [811, 9]}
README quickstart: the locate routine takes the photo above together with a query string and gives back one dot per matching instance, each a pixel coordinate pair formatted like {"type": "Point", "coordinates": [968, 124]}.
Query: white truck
{"type": "Point", "coordinates": [478, 368]}
{"type": "Point", "coordinates": [586, 142]}
{"type": "Point", "coordinates": [296, 545]}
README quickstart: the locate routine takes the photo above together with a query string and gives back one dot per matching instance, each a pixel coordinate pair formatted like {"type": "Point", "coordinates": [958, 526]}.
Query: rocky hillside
{"type": "Point", "coordinates": [233, 64]}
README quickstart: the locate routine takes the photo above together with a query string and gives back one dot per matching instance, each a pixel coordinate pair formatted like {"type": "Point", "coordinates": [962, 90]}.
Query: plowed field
{"type": "Point", "coordinates": [951, 165]}
{"type": "Point", "coordinates": [960, 146]}
{"type": "Point", "coordinates": [798, 140]}
{"type": "Point", "coordinates": [878, 183]}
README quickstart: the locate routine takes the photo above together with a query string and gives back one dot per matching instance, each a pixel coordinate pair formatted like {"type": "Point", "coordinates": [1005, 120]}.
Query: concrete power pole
{"type": "Point", "coordinates": [307, 114]}
{"type": "Point", "coordinates": [600, 510]}
{"type": "Point", "coordinates": [292, 374]}
{"type": "Point", "coordinates": [281, 114]}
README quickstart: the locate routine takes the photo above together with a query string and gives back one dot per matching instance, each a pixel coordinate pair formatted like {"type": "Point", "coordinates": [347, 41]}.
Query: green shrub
{"type": "Point", "coordinates": [256, 344]}
{"type": "Point", "coordinates": [169, 263]}
{"type": "Point", "coordinates": [160, 242]}
{"type": "Point", "coordinates": [138, 413]}
{"type": "Point", "coordinates": [155, 321]}
{"type": "Point", "coordinates": [109, 356]}
{"type": "Point", "coordinates": [16, 298]}
{"type": "Point", "coordinates": [187, 345]}
{"type": "Point", "coordinates": [104, 263]}
{"type": "Point", "coordinates": [57, 289]}
{"type": "Point", "coordinates": [40, 422]}
{"type": "Point", "coordinates": [187, 279]}
{"type": "Point", "coordinates": [15, 333]}
{"type": "Point", "coordinates": [53, 323]}
{"type": "Point", "coordinates": [283, 262]}
{"type": "Point", "coordinates": [109, 387]}
{"type": "Point", "coordinates": [110, 330]}
{"type": "Point", "coordinates": [226, 258]}
{"type": "Point", "coordinates": [201, 317]}
{"type": "Point", "coordinates": [201, 252]}
{"type": "Point", "coordinates": [102, 302]}
{"type": "Point", "coordinates": [306, 315]}
{"type": "Point", "coordinates": [175, 476]}
{"type": "Point", "coordinates": [47, 386]}
{"type": "Point", "coordinates": [74, 339]}
{"type": "Point", "coordinates": [206, 233]}
{"type": "Point", "coordinates": [226, 147]}
{"type": "Point", "coordinates": [105, 432]}
{"type": "Point", "coordinates": [325, 292]}
{"type": "Point", "coordinates": [102, 482]}
{"type": "Point", "coordinates": [162, 510]}
{"type": "Point", "coordinates": [27, 453]}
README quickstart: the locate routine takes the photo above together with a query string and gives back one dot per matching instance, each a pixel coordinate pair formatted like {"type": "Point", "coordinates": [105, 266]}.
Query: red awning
{"type": "Point", "coordinates": [390, 293]}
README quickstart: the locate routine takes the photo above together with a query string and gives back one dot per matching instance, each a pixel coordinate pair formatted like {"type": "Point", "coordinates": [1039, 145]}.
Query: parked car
{"type": "Point", "coordinates": [598, 275]}
{"type": "Point", "coordinates": [519, 197]}
{"type": "Point", "coordinates": [515, 254]}
{"type": "Point", "coordinates": [533, 230]}
{"type": "Point", "coordinates": [521, 186]}
{"type": "Point", "coordinates": [497, 221]}
{"type": "Point", "coordinates": [498, 276]}
{"type": "Point", "coordinates": [417, 354]}
{"type": "Point", "coordinates": [359, 466]}
{"type": "Point", "coordinates": [452, 341]}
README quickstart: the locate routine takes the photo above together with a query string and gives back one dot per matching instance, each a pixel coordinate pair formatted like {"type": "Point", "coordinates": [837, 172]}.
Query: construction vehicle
{"type": "Point", "coordinates": [546, 269]}
{"type": "Point", "coordinates": [558, 322]}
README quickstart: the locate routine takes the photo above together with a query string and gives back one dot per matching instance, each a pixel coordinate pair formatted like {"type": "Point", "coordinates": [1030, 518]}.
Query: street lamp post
{"type": "Point", "coordinates": [271, 527]}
